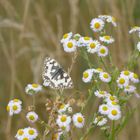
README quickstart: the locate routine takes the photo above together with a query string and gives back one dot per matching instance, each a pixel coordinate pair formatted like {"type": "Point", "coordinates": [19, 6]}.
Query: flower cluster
{"type": "Point", "coordinates": [126, 80]}
{"type": "Point", "coordinates": [89, 73]}
{"type": "Point", "coordinates": [26, 134]}
{"type": "Point", "coordinates": [110, 108]}
{"type": "Point", "coordinates": [65, 119]}
{"type": "Point", "coordinates": [14, 107]}
{"type": "Point", "coordinates": [72, 42]}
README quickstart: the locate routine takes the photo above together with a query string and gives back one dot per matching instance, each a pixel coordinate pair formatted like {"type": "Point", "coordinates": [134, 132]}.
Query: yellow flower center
{"type": "Point", "coordinates": [99, 69]}
{"type": "Point", "coordinates": [136, 27]}
{"type": "Point", "coordinates": [97, 25]}
{"type": "Point", "coordinates": [8, 108]}
{"type": "Point", "coordinates": [113, 19]}
{"type": "Point", "coordinates": [126, 73]}
{"type": "Point", "coordinates": [114, 103]}
{"type": "Point", "coordinates": [114, 112]}
{"type": "Point", "coordinates": [105, 108]}
{"type": "Point", "coordinates": [65, 36]}
{"type": "Point", "coordinates": [102, 50]}
{"type": "Point", "coordinates": [99, 118]}
{"type": "Point", "coordinates": [15, 107]}
{"type": "Point", "coordinates": [127, 87]}
{"type": "Point", "coordinates": [63, 118]}
{"type": "Point", "coordinates": [121, 81]}
{"type": "Point", "coordinates": [105, 75]}
{"type": "Point", "coordinates": [20, 132]}
{"type": "Point", "coordinates": [135, 76]}
{"type": "Point", "coordinates": [101, 92]}
{"type": "Point", "coordinates": [31, 117]}
{"type": "Point", "coordinates": [112, 98]}
{"type": "Point", "coordinates": [70, 45]}
{"type": "Point", "coordinates": [25, 139]}
{"type": "Point", "coordinates": [86, 38]}
{"type": "Point", "coordinates": [62, 106]}
{"type": "Point", "coordinates": [80, 119]}
{"type": "Point", "coordinates": [16, 100]}
{"type": "Point", "coordinates": [92, 45]}
{"type": "Point", "coordinates": [107, 37]}
{"type": "Point", "coordinates": [63, 127]}
{"type": "Point", "coordinates": [31, 132]}
{"type": "Point", "coordinates": [35, 85]}
{"type": "Point", "coordinates": [85, 74]}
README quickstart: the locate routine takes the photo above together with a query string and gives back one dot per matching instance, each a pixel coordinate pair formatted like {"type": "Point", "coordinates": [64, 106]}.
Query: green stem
{"type": "Point", "coordinates": [102, 61]}
{"type": "Point", "coordinates": [87, 133]}
{"type": "Point", "coordinates": [112, 136]}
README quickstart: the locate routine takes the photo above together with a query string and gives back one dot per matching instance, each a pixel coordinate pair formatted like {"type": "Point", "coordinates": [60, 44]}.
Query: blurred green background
{"type": "Point", "coordinates": [32, 29]}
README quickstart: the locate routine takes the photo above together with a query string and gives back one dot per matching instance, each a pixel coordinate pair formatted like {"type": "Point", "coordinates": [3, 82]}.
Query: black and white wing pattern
{"type": "Point", "coordinates": [54, 76]}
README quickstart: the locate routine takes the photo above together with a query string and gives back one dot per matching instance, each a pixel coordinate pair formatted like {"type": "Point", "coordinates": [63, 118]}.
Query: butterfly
{"type": "Point", "coordinates": [54, 76]}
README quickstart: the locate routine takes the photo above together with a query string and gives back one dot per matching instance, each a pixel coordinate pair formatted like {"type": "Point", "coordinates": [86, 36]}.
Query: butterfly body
{"type": "Point", "coordinates": [54, 76]}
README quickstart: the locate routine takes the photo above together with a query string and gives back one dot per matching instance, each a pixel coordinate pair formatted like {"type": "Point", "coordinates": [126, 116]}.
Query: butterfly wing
{"type": "Point", "coordinates": [54, 76]}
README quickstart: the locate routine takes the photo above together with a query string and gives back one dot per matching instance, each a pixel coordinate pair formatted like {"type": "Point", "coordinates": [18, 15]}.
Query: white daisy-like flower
{"type": "Point", "coordinates": [113, 104]}
{"type": "Point", "coordinates": [14, 107]}
{"type": "Point", "coordinates": [105, 77]}
{"type": "Point", "coordinates": [20, 134]}
{"type": "Point", "coordinates": [111, 98]}
{"type": "Point", "coordinates": [63, 120]}
{"type": "Point", "coordinates": [100, 93]}
{"type": "Point", "coordinates": [112, 20]}
{"type": "Point", "coordinates": [97, 24]}
{"type": "Point", "coordinates": [32, 117]}
{"type": "Point", "coordinates": [93, 46]}
{"type": "Point", "coordinates": [122, 81]}
{"type": "Point", "coordinates": [63, 108]}
{"type": "Point", "coordinates": [134, 78]}
{"type": "Point", "coordinates": [31, 133]}
{"type": "Point", "coordinates": [100, 121]}
{"type": "Point", "coordinates": [33, 88]}
{"type": "Point", "coordinates": [78, 120]}
{"type": "Point", "coordinates": [125, 73]}
{"type": "Point", "coordinates": [138, 46]}
{"type": "Point", "coordinates": [87, 75]}
{"type": "Point", "coordinates": [102, 51]}
{"type": "Point", "coordinates": [70, 46]}
{"type": "Point", "coordinates": [15, 101]}
{"type": "Point", "coordinates": [84, 41]}
{"type": "Point", "coordinates": [109, 19]}
{"type": "Point", "coordinates": [135, 29]}
{"type": "Point", "coordinates": [130, 89]}
{"type": "Point", "coordinates": [66, 37]}
{"type": "Point", "coordinates": [98, 70]}
{"type": "Point", "coordinates": [107, 39]}
{"type": "Point", "coordinates": [103, 109]}
{"type": "Point", "coordinates": [114, 113]}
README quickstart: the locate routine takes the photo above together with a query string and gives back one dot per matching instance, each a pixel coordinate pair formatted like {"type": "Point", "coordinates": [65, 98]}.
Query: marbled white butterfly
{"type": "Point", "coordinates": [54, 76]}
